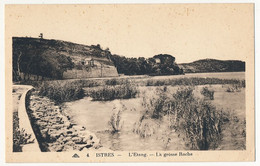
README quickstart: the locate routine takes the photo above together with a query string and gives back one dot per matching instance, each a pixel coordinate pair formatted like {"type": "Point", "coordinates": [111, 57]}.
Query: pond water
{"type": "Point", "coordinates": [223, 75]}
{"type": "Point", "coordinates": [95, 115]}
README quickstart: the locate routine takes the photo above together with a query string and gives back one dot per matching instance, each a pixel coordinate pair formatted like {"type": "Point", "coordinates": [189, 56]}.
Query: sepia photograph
{"type": "Point", "coordinates": [130, 82]}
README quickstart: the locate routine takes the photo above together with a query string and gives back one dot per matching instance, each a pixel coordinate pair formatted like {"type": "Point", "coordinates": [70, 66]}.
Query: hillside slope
{"type": "Point", "coordinates": [58, 59]}
{"type": "Point", "coordinates": [213, 65]}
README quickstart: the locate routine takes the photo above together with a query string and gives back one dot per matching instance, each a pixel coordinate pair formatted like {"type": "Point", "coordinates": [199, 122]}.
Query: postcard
{"type": "Point", "coordinates": [129, 82]}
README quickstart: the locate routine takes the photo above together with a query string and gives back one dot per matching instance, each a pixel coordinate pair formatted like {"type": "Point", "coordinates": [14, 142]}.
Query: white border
{"type": "Point", "coordinates": [2, 74]}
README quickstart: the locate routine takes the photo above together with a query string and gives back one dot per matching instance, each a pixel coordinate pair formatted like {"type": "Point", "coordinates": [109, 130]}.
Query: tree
{"type": "Point", "coordinates": [41, 35]}
{"type": "Point", "coordinates": [65, 63]}
{"type": "Point", "coordinates": [134, 66]}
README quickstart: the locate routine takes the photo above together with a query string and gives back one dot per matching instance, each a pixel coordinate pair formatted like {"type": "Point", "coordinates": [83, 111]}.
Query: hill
{"type": "Point", "coordinates": [213, 65]}
{"type": "Point", "coordinates": [56, 59]}
{"type": "Point", "coordinates": [38, 58]}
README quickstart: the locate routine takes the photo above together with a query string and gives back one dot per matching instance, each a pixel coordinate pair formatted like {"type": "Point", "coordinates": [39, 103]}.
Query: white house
{"type": "Point", "coordinates": [157, 60]}
{"type": "Point", "coordinates": [88, 62]}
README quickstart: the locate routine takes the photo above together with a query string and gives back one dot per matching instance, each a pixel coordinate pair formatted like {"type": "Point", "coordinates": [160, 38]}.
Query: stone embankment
{"type": "Point", "coordinates": [54, 130]}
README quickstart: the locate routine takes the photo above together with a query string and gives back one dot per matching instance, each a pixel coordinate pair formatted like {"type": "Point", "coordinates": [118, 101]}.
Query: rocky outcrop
{"type": "Point", "coordinates": [54, 130]}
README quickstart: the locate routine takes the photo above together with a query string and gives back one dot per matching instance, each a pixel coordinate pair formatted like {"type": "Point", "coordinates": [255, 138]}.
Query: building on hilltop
{"type": "Point", "coordinates": [88, 62]}
{"type": "Point", "coordinates": [157, 60]}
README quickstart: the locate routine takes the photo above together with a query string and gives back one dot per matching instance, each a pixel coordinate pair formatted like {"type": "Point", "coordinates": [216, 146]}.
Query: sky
{"type": "Point", "coordinates": [189, 32]}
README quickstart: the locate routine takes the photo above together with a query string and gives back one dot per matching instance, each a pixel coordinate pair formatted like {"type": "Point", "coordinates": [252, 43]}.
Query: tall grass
{"type": "Point", "coordinates": [197, 119]}
{"type": "Point", "coordinates": [105, 93]}
{"type": "Point", "coordinates": [207, 93]}
{"type": "Point", "coordinates": [115, 122]}
{"type": "Point", "coordinates": [194, 81]}
{"type": "Point", "coordinates": [201, 124]}
{"type": "Point", "coordinates": [235, 87]}
{"type": "Point", "coordinates": [117, 81]}
{"type": "Point", "coordinates": [68, 90]}
{"type": "Point", "coordinates": [61, 91]}
{"type": "Point", "coordinates": [155, 106]}
{"type": "Point", "coordinates": [86, 83]}
{"type": "Point", "coordinates": [146, 127]}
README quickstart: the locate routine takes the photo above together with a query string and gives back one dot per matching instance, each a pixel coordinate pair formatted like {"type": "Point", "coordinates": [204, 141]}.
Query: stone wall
{"type": "Point", "coordinates": [106, 71]}
{"type": "Point", "coordinates": [54, 130]}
